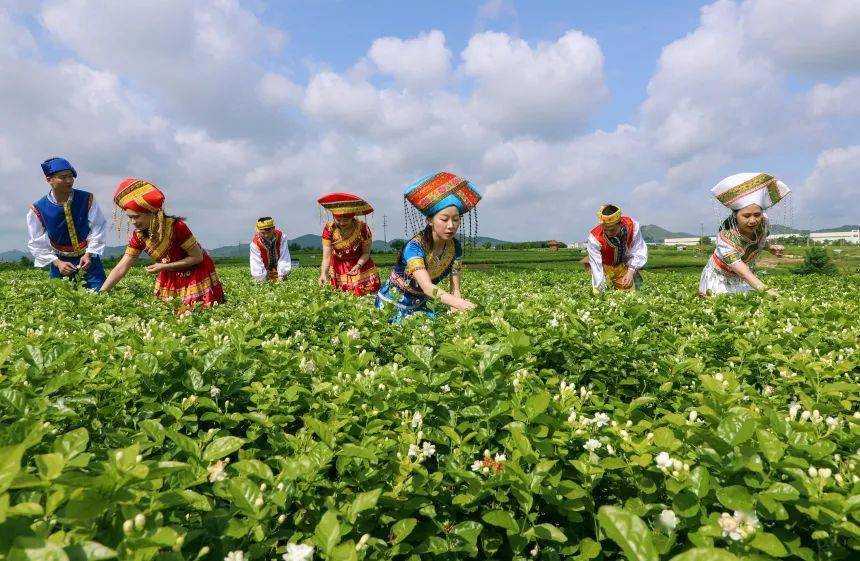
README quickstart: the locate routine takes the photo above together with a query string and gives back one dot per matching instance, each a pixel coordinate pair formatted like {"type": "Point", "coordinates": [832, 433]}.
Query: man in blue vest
{"type": "Point", "coordinates": [67, 228]}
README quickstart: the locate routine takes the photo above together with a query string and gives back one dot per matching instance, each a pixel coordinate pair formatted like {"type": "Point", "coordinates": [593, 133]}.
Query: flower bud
{"type": "Point", "coordinates": [127, 527]}
{"type": "Point", "coordinates": [362, 543]}
{"type": "Point", "coordinates": [812, 471]}
{"type": "Point", "coordinates": [282, 518]}
{"type": "Point", "coordinates": [259, 502]}
{"type": "Point", "coordinates": [139, 521]}
{"type": "Point", "coordinates": [263, 487]}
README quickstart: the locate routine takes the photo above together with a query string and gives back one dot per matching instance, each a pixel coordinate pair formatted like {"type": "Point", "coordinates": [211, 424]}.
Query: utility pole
{"type": "Point", "coordinates": [385, 228]}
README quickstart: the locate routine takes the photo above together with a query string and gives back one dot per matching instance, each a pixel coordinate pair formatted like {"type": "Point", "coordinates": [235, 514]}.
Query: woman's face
{"type": "Point", "coordinates": [445, 223]}
{"type": "Point", "coordinates": [749, 217]}
{"type": "Point", "coordinates": [344, 221]}
{"type": "Point", "coordinates": [140, 220]}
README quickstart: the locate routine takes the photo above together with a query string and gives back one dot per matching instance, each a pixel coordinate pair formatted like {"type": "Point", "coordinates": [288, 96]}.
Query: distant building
{"type": "Point", "coordinates": [577, 245]}
{"type": "Point", "coordinates": [851, 236]}
{"type": "Point", "coordinates": [686, 241]}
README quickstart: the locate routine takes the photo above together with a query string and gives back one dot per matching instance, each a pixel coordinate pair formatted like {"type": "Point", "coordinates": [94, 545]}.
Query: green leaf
{"type": "Point", "coordinates": [89, 551]}
{"type": "Point", "coordinates": [588, 549]}
{"type": "Point", "coordinates": [10, 464]}
{"type": "Point", "coordinates": [221, 447]}
{"type": "Point", "coordinates": [36, 549]}
{"type": "Point", "coordinates": [327, 533]}
{"type": "Point", "coordinates": [72, 443]}
{"type": "Point", "coordinates": [737, 426]}
{"type": "Point", "coordinates": [769, 544]}
{"type": "Point", "coordinates": [782, 492]}
{"type": "Point", "coordinates": [705, 554]}
{"type": "Point", "coordinates": [537, 404]}
{"type": "Point", "coordinates": [402, 529]}
{"type": "Point", "coordinates": [363, 501]}
{"type": "Point", "coordinates": [502, 519]}
{"type": "Point", "coordinates": [629, 532]}
{"type": "Point", "coordinates": [354, 451]}
{"type": "Point", "coordinates": [770, 446]}
{"type": "Point", "coordinates": [50, 466]}
{"type": "Point", "coordinates": [548, 532]}
{"type": "Point", "coordinates": [686, 504]}
{"type": "Point", "coordinates": [254, 467]}
{"type": "Point", "coordinates": [736, 497]}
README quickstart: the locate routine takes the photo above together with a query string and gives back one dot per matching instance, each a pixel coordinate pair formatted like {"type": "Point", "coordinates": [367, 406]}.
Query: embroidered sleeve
{"type": "Point", "coordinates": [595, 261]}
{"type": "Point", "coordinates": [326, 235]}
{"type": "Point", "coordinates": [413, 255]}
{"type": "Point", "coordinates": [183, 235]}
{"type": "Point", "coordinates": [135, 245]}
{"type": "Point", "coordinates": [458, 258]}
{"type": "Point", "coordinates": [728, 248]}
{"type": "Point", "coordinates": [37, 240]}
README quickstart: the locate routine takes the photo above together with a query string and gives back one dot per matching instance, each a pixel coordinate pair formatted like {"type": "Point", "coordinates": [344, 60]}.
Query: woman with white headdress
{"type": "Point", "coordinates": [743, 235]}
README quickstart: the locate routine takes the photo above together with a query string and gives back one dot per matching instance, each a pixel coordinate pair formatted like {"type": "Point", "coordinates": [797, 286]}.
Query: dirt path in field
{"type": "Point", "coordinates": [769, 261]}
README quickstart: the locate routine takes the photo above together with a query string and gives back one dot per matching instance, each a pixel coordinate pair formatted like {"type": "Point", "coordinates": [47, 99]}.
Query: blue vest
{"type": "Point", "coordinates": [67, 224]}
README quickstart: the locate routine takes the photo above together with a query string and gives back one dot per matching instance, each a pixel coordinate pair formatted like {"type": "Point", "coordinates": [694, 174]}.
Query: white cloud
{"type": "Point", "coordinates": [276, 89]}
{"type": "Point", "coordinates": [843, 99]}
{"type": "Point", "coordinates": [421, 62]}
{"type": "Point", "coordinates": [812, 37]}
{"type": "Point", "coordinates": [711, 94]}
{"type": "Point", "coordinates": [833, 188]}
{"type": "Point", "coordinates": [551, 89]}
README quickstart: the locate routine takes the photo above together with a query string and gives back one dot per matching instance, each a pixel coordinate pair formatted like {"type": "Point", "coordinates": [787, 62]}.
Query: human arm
{"type": "Point", "coordinates": [638, 256]}
{"type": "Point", "coordinates": [595, 260]}
{"type": "Point", "coordinates": [422, 277]}
{"type": "Point", "coordinates": [194, 258]}
{"type": "Point", "coordinates": [258, 270]}
{"type": "Point", "coordinates": [40, 248]}
{"type": "Point", "coordinates": [97, 235]}
{"type": "Point", "coordinates": [119, 271]}
{"type": "Point", "coordinates": [743, 271]}
{"type": "Point", "coordinates": [285, 263]}
{"type": "Point", "coordinates": [326, 263]}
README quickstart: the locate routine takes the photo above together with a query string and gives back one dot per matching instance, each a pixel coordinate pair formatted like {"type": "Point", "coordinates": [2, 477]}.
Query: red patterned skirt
{"type": "Point", "coordinates": [365, 282]}
{"type": "Point", "coordinates": [200, 284]}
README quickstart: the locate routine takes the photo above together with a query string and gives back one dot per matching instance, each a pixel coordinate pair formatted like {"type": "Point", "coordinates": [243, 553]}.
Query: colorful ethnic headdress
{"type": "Point", "coordinates": [265, 223]}
{"type": "Point", "coordinates": [609, 218]}
{"type": "Point", "coordinates": [345, 204]}
{"type": "Point", "coordinates": [141, 196]}
{"type": "Point", "coordinates": [433, 193]}
{"type": "Point", "coordinates": [138, 195]}
{"type": "Point", "coordinates": [743, 189]}
{"type": "Point", "coordinates": [54, 165]}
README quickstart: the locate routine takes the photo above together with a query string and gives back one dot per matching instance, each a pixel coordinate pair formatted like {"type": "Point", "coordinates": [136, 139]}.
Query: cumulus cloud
{"type": "Point", "coordinates": [814, 38]}
{"type": "Point", "coordinates": [842, 99]}
{"type": "Point", "coordinates": [552, 88]}
{"type": "Point", "coordinates": [832, 189]}
{"type": "Point", "coordinates": [184, 97]}
{"type": "Point", "coordinates": [420, 62]}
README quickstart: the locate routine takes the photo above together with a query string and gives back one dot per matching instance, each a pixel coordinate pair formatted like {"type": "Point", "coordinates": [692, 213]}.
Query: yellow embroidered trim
{"type": "Point", "coordinates": [70, 223]}
{"type": "Point", "coordinates": [189, 243]}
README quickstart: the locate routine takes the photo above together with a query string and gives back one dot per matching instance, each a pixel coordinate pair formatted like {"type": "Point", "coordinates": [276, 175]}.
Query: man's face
{"type": "Point", "coordinates": [268, 233]}
{"type": "Point", "coordinates": [61, 181]}
{"type": "Point", "coordinates": [612, 230]}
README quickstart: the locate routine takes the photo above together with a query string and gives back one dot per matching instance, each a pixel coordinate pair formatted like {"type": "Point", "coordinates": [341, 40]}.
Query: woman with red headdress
{"type": "Point", "coordinates": [184, 269]}
{"type": "Point", "coordinates": [346, 261]}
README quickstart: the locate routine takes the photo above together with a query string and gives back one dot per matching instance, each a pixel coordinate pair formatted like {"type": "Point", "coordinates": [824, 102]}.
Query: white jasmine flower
{"type": "Point", "coordinates": [238, 555]}
{"type": "Point", "coordinates": [601, 419]}
{"type": "Point", "coordinates": [668, 520]}
{"type": "Point", "coordinates": [298, 552]}
{"type": "Point", "coordinates": [417, 420]}
{"type": "Point", "coordinates": [446, 388]}
{"type": "Point", "coordinates": [832, 422]}
{"type": "Point", "coordinates": [428, 450]}
{"type": "Point", "coordinates": [663, 461]}
{"type": "Point", "coordinates": [215, 392]}
{"type": "Point", "coordinates": [413, 451]}
{"type": "Point", "coordinates": [217, 471]}
{"type": "Point", "coordinates": [353, 333]}
{"type": "Point", "coordinates": [694, 415]}
{"type": "Point", "coordinates": [477, 465]}
{"type": "Point", "coordinates": [362, 543]}
{"type": "Point", "coordinates": [591, 444]}
{"type": "Point", "coordinates": [501, 458]}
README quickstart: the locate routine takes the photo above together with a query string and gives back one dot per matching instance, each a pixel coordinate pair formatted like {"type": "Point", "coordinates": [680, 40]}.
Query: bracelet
{"type": "Point", "coordinates": [437, 293]}
{"type": "Point", "coordinates": [763, 288]}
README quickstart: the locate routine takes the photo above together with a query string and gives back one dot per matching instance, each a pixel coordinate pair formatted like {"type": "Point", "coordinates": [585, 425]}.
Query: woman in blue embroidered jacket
{"type": "Point", "coordinates": [433, 254]}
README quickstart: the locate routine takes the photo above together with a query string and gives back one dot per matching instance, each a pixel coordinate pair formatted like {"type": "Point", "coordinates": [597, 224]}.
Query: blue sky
{"type": "Point", "coordinates": [238, 109]}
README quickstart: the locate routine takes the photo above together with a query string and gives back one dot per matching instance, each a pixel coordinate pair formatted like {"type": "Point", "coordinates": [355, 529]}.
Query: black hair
{"type": "Point", "coordinates": [609, 210]}
{"type": "Point", "coordinates": [264, 218]}
{"type": "Point", "coordinates": [730, 223]}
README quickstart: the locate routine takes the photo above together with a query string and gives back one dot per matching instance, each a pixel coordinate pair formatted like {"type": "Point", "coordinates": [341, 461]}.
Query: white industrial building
{"type": "Point", "coordinates": [850, 236]}
{"type": "Point", "coordinates": [686, 241]}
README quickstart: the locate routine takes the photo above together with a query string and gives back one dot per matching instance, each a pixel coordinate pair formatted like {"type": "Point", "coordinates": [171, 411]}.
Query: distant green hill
{"type": "Point", "coordinates": [655, 234]}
